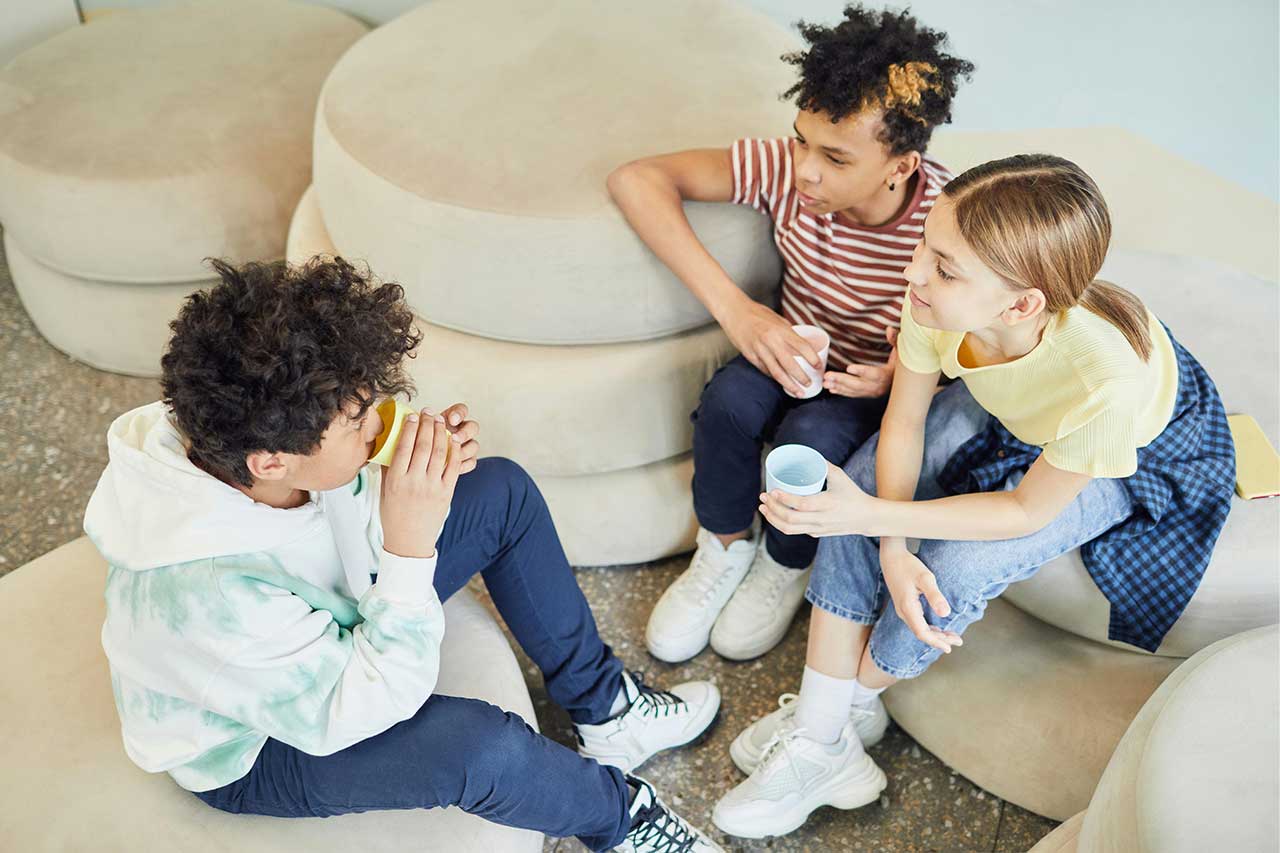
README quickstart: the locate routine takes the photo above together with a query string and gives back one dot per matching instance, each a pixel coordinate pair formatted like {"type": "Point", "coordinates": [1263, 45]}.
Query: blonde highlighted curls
{"type": "Point", "coordinates": [906, 86]}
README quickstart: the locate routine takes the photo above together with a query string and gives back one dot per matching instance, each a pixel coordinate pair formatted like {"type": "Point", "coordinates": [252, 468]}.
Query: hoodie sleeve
{"type": "Point", "coordinates": [298, 675]}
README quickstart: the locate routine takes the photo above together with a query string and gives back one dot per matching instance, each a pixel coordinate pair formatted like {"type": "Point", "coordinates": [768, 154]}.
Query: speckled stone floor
{"type": "Point", "coordinates": [54, 413]}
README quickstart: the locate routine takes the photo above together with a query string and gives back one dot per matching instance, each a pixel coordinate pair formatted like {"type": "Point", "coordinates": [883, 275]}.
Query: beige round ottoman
{"type": "Point", "coordinates": [1241, 588]}
{"type": "Point", "coordinates": [463, 150]}
{"type": "Point", "coordinates": [1027, 711]}
{"type": "Point", "coordinates": [68, 785]}
{"type": "Point", "coordinates": [133, 147]}
{"type": "Point", "coordinates": [1198, 769]}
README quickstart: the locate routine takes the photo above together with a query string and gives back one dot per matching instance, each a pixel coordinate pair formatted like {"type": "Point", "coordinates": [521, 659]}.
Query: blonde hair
{"type": "Point", "coordinates": [904, 88]}
{"type": "Point", "coordinates": [1039, 221]}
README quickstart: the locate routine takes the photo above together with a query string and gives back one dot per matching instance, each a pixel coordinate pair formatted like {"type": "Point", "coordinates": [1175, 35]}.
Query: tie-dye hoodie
{"type": "Point", "coordinates": [230, 621]}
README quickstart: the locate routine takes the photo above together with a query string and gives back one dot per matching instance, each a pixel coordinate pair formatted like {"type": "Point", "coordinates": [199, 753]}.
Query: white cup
{"type": "Point", "coordinates": [820, 341]}
{"type": "Point", "coordinates": [795, 469]}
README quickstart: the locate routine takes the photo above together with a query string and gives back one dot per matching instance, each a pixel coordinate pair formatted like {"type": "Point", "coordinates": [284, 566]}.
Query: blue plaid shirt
{"type": "Point", "coordinates": [1149, 565]}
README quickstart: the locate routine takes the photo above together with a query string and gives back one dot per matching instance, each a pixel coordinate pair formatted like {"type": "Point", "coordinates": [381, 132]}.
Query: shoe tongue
{"type": "Point", "coordinates": [643, 800]}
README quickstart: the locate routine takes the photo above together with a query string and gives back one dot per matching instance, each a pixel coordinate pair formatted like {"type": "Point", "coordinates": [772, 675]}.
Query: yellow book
{"type": "Point", "coordinates": [1257, 463]}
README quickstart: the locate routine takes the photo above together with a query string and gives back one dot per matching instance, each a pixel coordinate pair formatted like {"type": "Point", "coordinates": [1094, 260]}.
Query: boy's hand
{"type": "Point", "coordinates": [767, 341]}
{"type": "Point", "coordinates": [865, 380]}
{"type": "Point", "coordinates": [417, 486]}
{"type": "Point", "coordinates": [467, 432]}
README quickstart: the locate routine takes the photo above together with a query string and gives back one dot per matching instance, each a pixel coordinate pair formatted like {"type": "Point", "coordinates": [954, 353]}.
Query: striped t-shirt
{"type": "Point", "coordinates": [841, 276]}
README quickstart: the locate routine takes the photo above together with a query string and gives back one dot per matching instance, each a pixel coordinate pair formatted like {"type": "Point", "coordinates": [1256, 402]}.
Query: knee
{"type": "Point", "coordinates": [812, 426]}
{"type": "Point", "coordinates": [735, 400]}
{"type": "Point", "coordinates": [482, 743]}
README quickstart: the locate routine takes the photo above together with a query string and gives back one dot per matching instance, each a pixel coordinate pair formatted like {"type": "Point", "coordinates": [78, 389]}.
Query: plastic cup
{"type": "Point", "coordinates": [795, 469]}
{"type": "Point", "coordinates": [820, 341]}
{"type": "Point", "coordinates": [393, 413]}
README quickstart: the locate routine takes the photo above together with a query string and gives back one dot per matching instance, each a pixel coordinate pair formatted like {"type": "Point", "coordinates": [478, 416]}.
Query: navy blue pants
{"type": "Point", "coordinates": [742, 409]}
{"type": "Point", "coordinates": [464, 752]}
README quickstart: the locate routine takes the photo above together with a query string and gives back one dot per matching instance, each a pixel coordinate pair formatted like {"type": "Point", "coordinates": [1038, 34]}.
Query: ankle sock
{"type": "Point", "coordinates": [823, 707]}
{"type": "Point", "coordinates": [864, 696]}
{"type": "Point", "coordinates": [621, 701]}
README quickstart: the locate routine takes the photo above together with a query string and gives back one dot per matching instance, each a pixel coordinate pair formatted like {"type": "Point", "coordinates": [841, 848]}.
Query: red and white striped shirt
{"type": "Point", "coordinates": [844, 277]}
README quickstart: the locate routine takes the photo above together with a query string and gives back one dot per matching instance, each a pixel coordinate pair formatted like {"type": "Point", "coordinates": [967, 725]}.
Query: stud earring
{"type": "Point", "coordinates": [892, 186]}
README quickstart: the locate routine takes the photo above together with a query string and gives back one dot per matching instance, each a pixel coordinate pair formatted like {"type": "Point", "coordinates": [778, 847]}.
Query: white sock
{"type": "Point", "coordinates": [620, 702]}
{"type": "Point", "coordinates": [864, 696]}
{"type": "Point", "coordinates": [823, 707]}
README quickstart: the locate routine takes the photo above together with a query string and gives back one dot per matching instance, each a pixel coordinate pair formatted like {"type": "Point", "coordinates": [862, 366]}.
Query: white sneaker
{"type": "Point", "coordinates": [761, 610]}
{"type": "Point", "coordinates": [653, 720]}
{"type": "Point", "coordinates": [657, 829]}
{"type": "Point", "coordinates": [796, 776]}
{"type": "Point", "coordinates": [681, 621]}
{"type": "Point", "coordinates": [747, 748]}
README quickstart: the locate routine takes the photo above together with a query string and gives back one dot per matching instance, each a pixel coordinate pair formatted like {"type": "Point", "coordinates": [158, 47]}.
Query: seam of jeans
{"type": "Point", "coordinates": [836, 610]}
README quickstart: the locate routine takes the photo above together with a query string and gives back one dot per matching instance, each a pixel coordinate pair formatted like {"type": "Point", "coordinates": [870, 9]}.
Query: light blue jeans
{"type": "Point", "coordinates": [846, 578]}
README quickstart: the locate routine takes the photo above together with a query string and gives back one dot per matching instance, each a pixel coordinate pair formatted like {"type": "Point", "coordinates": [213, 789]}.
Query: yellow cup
{"type": "Point", "coordinates": [393, 413]}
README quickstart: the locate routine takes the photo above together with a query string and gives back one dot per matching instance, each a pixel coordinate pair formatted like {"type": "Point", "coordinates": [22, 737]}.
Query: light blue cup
{"type": "Point", "coordinates": [795, 469]}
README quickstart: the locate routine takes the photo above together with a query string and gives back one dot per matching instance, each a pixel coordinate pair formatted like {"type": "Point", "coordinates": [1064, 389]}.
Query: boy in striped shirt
{"type": "Point", "coordinates": [848, 194]}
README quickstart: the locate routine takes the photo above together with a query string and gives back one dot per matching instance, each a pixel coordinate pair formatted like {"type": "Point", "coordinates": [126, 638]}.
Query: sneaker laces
{"type": "Point", "coordinates": [703, 578]}
{"type": "Point", "coordinates": [765, 582]}
{"type": "Point", "coordinates": [658, 830]}
{"type": "Point", "coordinates": [653, 702]}
{"type": "Point", "coordinates": [780, 744]}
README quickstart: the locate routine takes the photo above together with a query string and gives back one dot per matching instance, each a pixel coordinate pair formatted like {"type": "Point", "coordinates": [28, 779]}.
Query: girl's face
{"type": "Point", "coordinates": [951, 289]}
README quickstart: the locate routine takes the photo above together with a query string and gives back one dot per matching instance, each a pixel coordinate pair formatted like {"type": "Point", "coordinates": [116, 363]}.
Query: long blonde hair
{"type": "Point", "coordinates": [1037, 220]}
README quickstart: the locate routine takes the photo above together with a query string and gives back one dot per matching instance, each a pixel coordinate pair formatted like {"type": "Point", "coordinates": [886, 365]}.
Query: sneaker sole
{"type": "Point", "coordinates": [751, 652]}
{"type": "Point", "coordinates": [747, 759]}
{"type": "Point", "coordinates": [674, 654]}
{"type": "Point", "coordinates": [699, 735]}
{"type": "Point", "coordinates": [861, 790]}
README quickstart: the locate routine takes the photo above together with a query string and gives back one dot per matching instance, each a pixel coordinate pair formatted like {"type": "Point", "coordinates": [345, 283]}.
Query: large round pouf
{"type": "Point", "coordinates": [134, 147]}
{"type": "Point", "coordinates": [476, 176]}
{"type": "Point", "coordinates": [1241, 588]}
{"type": "Point", "coordinates": [1197, 769]}
{"type": "Point", "coordinates": [1064, 839]}
{"type": "Point", "coordinates": [1027, 711]}
{"type": "Point", "coordinates": [558, 411]}
{"type": "Point", "coordinates": [68, 785]}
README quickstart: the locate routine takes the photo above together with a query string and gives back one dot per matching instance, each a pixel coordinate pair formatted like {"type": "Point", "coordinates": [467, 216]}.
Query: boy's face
{"type": "Point", "coordinates": [344, 449]}
{"type": "Point", "coordinates": [840, 165]}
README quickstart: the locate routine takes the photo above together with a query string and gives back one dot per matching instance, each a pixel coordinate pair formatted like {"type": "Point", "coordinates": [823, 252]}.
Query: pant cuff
{"type": "Point", "coordinates": [837, 610]}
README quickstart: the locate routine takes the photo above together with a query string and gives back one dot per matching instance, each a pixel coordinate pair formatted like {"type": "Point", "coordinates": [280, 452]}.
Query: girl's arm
{"type": "Point", "coordinates": [901, 444]}
{"type": "Point", "coordinates": [845, 509]}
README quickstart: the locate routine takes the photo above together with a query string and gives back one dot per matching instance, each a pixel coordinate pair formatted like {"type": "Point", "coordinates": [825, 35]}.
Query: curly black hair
{"type": "Point", "coordinates": [267, 357]}
{"type": "Point", "coordinates": [879, 59]}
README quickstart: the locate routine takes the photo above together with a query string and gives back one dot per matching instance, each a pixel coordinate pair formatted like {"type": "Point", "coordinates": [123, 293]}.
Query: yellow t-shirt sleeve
{"type": "Point", "coordinates": [1103, 446]}
{"type": "Point", "coordinates": [917, 347]}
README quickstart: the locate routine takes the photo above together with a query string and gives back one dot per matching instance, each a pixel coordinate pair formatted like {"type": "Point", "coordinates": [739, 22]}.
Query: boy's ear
{"type": "Point", "coordinates": [264, 465]}
{"type": "Point", "coordinates": [905, 166]}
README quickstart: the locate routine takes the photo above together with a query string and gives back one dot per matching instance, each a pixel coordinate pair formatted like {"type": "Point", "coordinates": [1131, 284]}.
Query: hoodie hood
{"type": "Point", "coordinates": [152, 507]}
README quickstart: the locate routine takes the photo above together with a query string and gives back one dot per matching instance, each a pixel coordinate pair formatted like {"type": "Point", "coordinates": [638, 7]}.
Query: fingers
{"type": "Point", "coordinates": [440, 442]}
{"type": "Point", "coordinates": [929, 586]}
{"type": "Point", "coordinates": [769, 364]}
{"type": "Point", "coordinates": [402, 458]}
{"type": "Point", "coordinates": [424, 437]}
{"type": "Point", "coordinates": [891, 335]}
{"type": "Point", "coordinates": [453, 461]}
{"type": "Point", "coordinates": [467, 432]}
{"type": "Point", "coordinates": [913, 615]}
{"type": "Point", "coordinates": [801, 347]}
{"type": "Point", "coordinates": [786, 353]}
{"type": "Point", "coordinates": [849, 386]}
{"type": "Point", "coordinates": [455, 414]}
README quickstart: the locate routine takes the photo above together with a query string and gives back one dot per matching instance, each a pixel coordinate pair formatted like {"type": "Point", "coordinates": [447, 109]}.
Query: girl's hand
{"type": "Point", "coordinates": [865, 380]}
{"type": "Point", "coordinates": [466, 432]}
{"type": "Point", "coordinates": [907, 579]}
{"type": "Point", "coordinates": [841, 510]}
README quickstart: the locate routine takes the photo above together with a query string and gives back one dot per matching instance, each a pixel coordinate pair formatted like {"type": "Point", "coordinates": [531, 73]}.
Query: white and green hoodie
{"type": "Point", "coordinates": [230, 621]}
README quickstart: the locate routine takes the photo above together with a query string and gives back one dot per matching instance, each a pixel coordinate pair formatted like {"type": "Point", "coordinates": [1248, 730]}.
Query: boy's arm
{"type": "Point", "coordinates": [651, 195]}
{"type": "Point", "coordinates": [301, 678]}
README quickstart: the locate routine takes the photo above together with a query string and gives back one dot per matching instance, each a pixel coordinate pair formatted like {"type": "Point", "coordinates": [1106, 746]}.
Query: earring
{"type": "Point", "coordinates": [892, 186]}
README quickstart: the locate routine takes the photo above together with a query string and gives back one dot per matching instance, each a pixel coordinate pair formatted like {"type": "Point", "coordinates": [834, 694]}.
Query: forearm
{"type": "Point", "coordinates": [984, 516]}
{"type": "Point", "coordinates": [653, 207]}
{"type": "Point", "coordinates": [898, 458]}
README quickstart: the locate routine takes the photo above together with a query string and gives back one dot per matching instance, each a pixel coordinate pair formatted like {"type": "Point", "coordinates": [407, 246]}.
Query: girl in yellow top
{"type": "Point", "coordinates": [1077, 422]}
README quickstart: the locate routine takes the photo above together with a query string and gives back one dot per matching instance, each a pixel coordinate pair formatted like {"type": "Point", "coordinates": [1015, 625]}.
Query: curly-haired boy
{"type": "Point", "coordinates": [847, 196]}
{"type": "Point", "coordinates": [274, 599]}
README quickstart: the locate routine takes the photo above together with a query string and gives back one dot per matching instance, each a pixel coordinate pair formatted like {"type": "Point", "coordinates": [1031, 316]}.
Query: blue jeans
{"type": "Point", "coordinates": [740, 410]}
{"type": "Point", "coordinates": [464, 752]}
{"type": "Point", "coordinates": [846, 578]}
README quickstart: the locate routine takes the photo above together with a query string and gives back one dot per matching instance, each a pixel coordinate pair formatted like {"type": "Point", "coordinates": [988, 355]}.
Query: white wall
{"type": "Point", "coordinates": [1199, 78]}
{"type": "Point", "coordinates": [24, 23]}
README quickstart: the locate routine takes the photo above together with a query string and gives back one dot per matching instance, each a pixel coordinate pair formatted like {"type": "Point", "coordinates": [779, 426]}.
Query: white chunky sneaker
{"type": "Point", "coordinates": [657, 829]}
{"type": "Point", "coordinates": [747, 748]}
{"type": "Point", "coordinates": [653, 720]}
{"type": "Point", "coordinates": [796, 776]}
{"type": "Point", "coordinates": [761, 610]}
{"type": "Point", "coordinates": [681, 621]}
